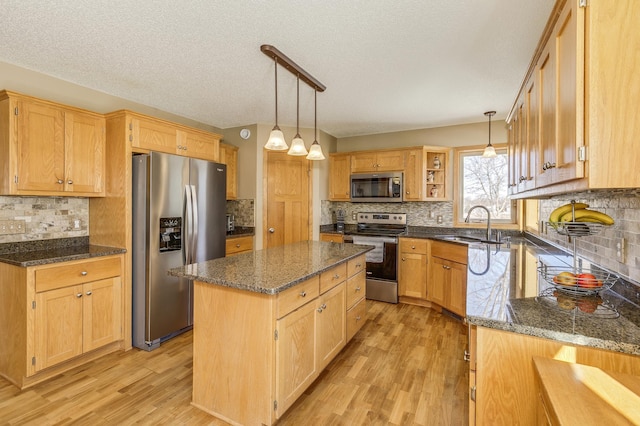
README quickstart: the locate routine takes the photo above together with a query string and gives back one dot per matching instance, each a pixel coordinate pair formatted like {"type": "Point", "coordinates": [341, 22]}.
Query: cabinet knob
{"type": "Point", "coordinates": [413, 247]}
{"type": "Point", "coordinates": [79, 295]}
{"type": "Point", "coordinates": [272, 230]}
{"type": "Point", "coordinates": [70, 182]}
{"type": "Point", "coordinates": [358, 318]}
{"type": "Point", "coordinates": [467, 355]}
{"type": "Point", "coordinates": [303, 294]}
{"type": "Point", "coordinates": [407, 192]}
{"type": "Point", "coordinates": [83, 273]}
{"type": "Point", "coordinates": [60, 181]}
{"type": "Point", "coordinates": [89, 293]}
{"type": "Point", "coordinates": [324, 306]}
{"type": "Point", "coordinates": [238, 245]}
{"type": "Point", "coordinates": [358, 265]}
{"type": "Point", "coordinates": [403, 259]}
{"type": "Point", "coordinates": [522, 178]}
{"type": "Point", "coordinates": [358, 289]}
{"type": "Point", "coordinates": [336, 276]}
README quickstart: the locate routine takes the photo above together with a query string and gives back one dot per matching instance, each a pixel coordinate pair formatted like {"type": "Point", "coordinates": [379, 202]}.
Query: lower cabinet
{"type": "Point", "coordinates": [65, 311]}
{"type": "Point", "coordinates": [447, 282]}
{"type": "Point", "coordinates": [412, 269]}
{"type": "Point", "coordinates": [331, 238]}
{"type": "Point", "coordinates": [238, 245]}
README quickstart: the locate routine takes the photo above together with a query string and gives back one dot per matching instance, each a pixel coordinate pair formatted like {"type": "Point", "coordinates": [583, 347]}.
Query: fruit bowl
{"type": "Point", "coordinates": [578, 229]}
{"type": "Point", "coordinates": [592, 305]}
{"type": "Point", "coordinates": [585, 281]}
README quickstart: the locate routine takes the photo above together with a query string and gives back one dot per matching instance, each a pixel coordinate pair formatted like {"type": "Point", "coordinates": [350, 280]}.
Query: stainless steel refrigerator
{"type": "Point", "coordinates": [179, 218]}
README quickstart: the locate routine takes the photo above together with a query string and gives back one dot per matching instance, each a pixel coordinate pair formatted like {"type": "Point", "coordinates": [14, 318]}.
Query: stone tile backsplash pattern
{"type": "Point", "coordinates": [624, 207]}
{"type": "Point", "coordinates": [243, 210]}
{"type": "Point", "coordinates": [418, 213]}
{"type": "Point", "coordinates": [45, 217]}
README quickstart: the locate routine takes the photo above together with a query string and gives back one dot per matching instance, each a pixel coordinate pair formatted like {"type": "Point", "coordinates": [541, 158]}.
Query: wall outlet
{"type": "Point", "coordinates": [439, 219]}
{"type": "Point", "coordinates": [620, 251]}
{"type": "Point", "coordinates": [354, 216]}
{"type": "Point", "coordinates": [76, 224]}
{"type": "Point", "coordinates": [8, 227]}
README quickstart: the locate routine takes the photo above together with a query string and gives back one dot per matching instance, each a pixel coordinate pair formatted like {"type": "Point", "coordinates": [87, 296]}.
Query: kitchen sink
{"type": "Point", "coordinates": [465, 239]}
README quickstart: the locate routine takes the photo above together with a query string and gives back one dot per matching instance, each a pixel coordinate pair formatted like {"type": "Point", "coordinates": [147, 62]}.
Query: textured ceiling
{"type": "Point", "coordinates": [388, 65]}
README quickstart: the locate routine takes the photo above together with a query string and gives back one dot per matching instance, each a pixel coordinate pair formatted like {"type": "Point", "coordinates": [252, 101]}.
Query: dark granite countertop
{"type": "Point", "coordinates": [272, 270]}
{"type": "Point", "coordinates": [241, 231]}
{"type": "Point", "coordinates": [42, 252]}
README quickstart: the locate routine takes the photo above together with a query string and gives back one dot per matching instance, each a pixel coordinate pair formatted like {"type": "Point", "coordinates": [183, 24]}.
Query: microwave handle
{"type": "Point", "coordinates": [391, 187]}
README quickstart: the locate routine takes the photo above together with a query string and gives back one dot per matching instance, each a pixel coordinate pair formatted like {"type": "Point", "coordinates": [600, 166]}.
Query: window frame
{"type": "Point", "coordinates": [459, 222]}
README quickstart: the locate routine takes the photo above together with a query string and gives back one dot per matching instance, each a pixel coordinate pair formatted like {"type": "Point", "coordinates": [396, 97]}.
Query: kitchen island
{"type": "Point", "coordinates": [267, 322]}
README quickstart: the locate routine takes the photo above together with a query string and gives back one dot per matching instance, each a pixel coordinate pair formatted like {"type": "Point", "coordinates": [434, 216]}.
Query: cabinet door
{"type": "Point", "coordinates": [532, 107]}
{"type": "Point", "coordinates": [41, 144]}
{"type": "Point", "coordinates": [339, 177]}
{"type": "Point", "coordinates": [153, 136]}
{"type": "Point", "coordinates": [84, 153]}
{"type": "Point", "coordinates": [412, 275]}
{"type": "Point", "coordinates": [414, 175]}
{"type": "Point", "coordinates": [389, 161]}
{"type": "Point", "coordinates": [331, 313]}
{"type": "Point", "coordinates": [438, 281]}
{"type": "Point", "coordinates": [457, 291]}
{"type": "Point", "coordinates": [197, 145]}
{"type": "Point", "coordinates": [364, 162]}
{"type": "Point", "coordinates": [58, 326]}
{"type": "Point", "coordinates": [547, 81]}
{"type": "Point", "coordinates": [229, 156]}
{"type": "Point", "coordinates": [296, 366]}
{"type": "Point", "coordinates": [511, 144]}
{"type": "Point", "coordinates": [102, 313]}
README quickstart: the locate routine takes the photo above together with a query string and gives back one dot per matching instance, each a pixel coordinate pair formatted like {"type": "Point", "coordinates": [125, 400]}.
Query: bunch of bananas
{"type": "Point", "coordinates": [582, 214]}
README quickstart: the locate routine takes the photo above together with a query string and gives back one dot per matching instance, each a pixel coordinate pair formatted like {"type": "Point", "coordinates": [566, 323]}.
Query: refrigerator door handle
{"type": "Point", "coordinates": [194, 237]}
{"type": "Point", "coordinates": [188, 225]}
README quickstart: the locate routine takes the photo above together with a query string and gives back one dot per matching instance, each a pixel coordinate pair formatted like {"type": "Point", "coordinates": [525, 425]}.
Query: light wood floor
{"type": "Point", "coordinates": [404, 367]}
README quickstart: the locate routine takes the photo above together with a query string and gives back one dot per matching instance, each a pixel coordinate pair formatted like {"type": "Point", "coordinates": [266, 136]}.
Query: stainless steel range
{"type": "Point", "coordinates": [380, 230]}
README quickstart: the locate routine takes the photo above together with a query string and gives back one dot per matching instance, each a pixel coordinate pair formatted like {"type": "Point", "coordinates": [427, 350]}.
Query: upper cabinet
{"type": "Point", "coordinates": [377, 161]}
{"type": "Point", "coordinates": [50, 149]}
{"type": "Point", "coordinates": [152, 134]}
{"type": "Point", "coordinates": [339, 177]}
{"type": "Point", "coordinates": [229, 156]}
{"type": "Point", "coordinates": [573, 124]}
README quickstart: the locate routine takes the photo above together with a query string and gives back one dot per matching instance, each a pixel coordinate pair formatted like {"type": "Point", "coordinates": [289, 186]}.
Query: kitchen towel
{"type": "Point", "coordinates": [377, 254]}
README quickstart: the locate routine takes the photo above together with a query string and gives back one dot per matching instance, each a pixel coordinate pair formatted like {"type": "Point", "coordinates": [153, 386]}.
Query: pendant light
{"type": "Point", "coordinates": [276, 140]}
{"type": "Point", "coordinates": [297, 144]}
{"type": "Point", "coordinates": [315, 150]}
{"type": "Point", "coordinates": [489, 151]}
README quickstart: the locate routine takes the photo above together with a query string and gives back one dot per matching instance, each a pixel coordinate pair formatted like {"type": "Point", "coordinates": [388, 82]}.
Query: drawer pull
{"type": "Point", "coordinates": [403, 259]}
{"type": "Point", "coordinates": [446, 267]}
{"type": "Point", "coordinates": [83, 273]}
{"type": "Point", "coordinates": [238, 245]}
{"type": "Point", "coordinates": [89, 293]}
{"type": "Point", "coordinates": [79, 295]}
{"type": "Point", "coordinates": [336, 276]}
{"type": "Point", "coordinates": [413, 247]}
{"type": "Point", "coordinates": [303, 294]}
{"type": "Point", "coordinates": [60, 181]}
{"type": "Point", "coordinates": [358, 318]}
{"type": "Point", "coordinates": [357, 288]}
{"type": "Point", "coordinates": [358, 265]}
{"type": "Point", "coordinates": [467, 356]}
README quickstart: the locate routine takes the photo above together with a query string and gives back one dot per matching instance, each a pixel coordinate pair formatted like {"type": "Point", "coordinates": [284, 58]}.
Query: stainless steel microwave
{"type": "Point", "coordinates": [376, 187]}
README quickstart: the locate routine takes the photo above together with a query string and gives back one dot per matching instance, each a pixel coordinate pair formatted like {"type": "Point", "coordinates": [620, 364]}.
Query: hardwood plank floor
{"type": "Point", "coordinates": [404, 367]}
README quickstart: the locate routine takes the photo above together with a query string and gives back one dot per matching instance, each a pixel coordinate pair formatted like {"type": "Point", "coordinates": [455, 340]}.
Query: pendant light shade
{"type": "Point", "coordinates": [489, 151]}
{"type": "Point", "coordinates": [315, 151]}
{"type": "Point", "coordinates": [276, 140]}
{"type": "Point", "coordinates": [297, 144]}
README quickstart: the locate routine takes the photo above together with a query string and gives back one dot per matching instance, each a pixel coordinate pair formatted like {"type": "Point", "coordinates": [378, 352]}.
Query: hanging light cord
{"type": "Point", "coordinates": [490, 129]}
{"type": "Point", "coordinates": [298, 109]}
{"type": "Point", "coordinates": [276, 80]}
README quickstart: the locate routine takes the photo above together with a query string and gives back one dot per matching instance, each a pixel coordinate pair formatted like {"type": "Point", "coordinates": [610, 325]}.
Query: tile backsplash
{"type": "Point", "coordinates": [624, 207]}
{"type": "Point", "coordinates": [243, 211]}
{"type": "Point", "coordinates": [46, 217]}
{"type": "Point", "coordinates": [418, 213]}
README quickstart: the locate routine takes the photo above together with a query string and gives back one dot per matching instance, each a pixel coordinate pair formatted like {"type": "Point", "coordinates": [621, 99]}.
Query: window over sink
{"type": "Point", "coordinates": [483, 181]}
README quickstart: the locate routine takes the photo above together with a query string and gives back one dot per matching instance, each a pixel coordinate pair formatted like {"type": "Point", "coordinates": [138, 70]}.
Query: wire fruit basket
{"type": "Point", "coordinates": [579, 282]}
{"type": "Point", "coordinates": [577, 229]}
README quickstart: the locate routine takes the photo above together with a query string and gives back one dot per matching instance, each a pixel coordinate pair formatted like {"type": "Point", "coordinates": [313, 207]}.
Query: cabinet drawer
{"type": "Point", "coordinates": [450, 251]}
{"type": "Point", "coordinates": [296, 296]}
{"type": "Point", "coordinates": [331, 238]}
{"type": "Point", "coordinates": [238, 245]}
{"type": "Point", "coordinates": [333, 277]}
{"type": "Point", "coordinates": [80, 272]}
{"type": "Point", "coordinates": [356, 288]}
{"type": "Point", "coordinates": [356, 265]}
{"type": "Point", "coordinates": [415, 245]}
{"type": "Point", "coordinates": [356, 317]}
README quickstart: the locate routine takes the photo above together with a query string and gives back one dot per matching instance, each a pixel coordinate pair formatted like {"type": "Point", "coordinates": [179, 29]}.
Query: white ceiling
{"type": "Point", "coordinates": [388, 65]}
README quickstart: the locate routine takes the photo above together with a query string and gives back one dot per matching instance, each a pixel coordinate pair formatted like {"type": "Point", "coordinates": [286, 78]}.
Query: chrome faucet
{"type": "Point", "coordinates": [488, 219]}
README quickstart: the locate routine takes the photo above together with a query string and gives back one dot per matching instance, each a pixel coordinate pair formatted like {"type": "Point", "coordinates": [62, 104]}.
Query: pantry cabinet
{"type": "Point", "coordinates": [59, 316]}
{"type": "Point", "coordinates": [579, 102]}
{"type": "Point", "coordinates": [412, 270]}
{"type": "Point", "coordinates": [229, 156]}
{"type": "Point", "coordinates": [50, 149]}
{"type": "Point", "coordinates": [339, 177]}
{"type": "Point", "coordinates": [447, 276]}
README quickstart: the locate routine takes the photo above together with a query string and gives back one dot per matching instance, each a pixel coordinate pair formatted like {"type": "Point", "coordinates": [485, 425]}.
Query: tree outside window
{"type": "Point", "coordinates": [484, 182]}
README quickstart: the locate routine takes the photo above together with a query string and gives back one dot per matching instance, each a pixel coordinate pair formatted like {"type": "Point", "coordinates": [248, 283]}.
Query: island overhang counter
{"type": "Point", "coordinates": [267, 322]}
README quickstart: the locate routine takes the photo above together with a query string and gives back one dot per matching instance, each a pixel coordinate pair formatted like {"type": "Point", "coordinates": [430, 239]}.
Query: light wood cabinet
{"type": "Point", "coordinates": [356, 294]}
{"type": "Point", "coordinates": [412, 270]}
{"type": "Point", "coordinates": [50, 149]}
{"type": "Point", "coordinates": [331, 238]}
{"type": "Point", "coordinates": [505, 390]}
{"type": "Point", "coordinates": [229, 156]}
{"type": "Point", "coordinates": [152, 134]}
{"type": "Point", "coordinates": [331, 324]}
{"type": "Point", "coordinates": [447, 276]}
{"type": "Point", "coordinates": [238, 245]}
{"type": "Point", "coordinates": [377, 161]}
{"type": "Point", "coordinates": [76, 314]}
{"type": "Point", "coordinates": [579, 100]}
{"type": "Point", "coordinates": [339, 177]}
